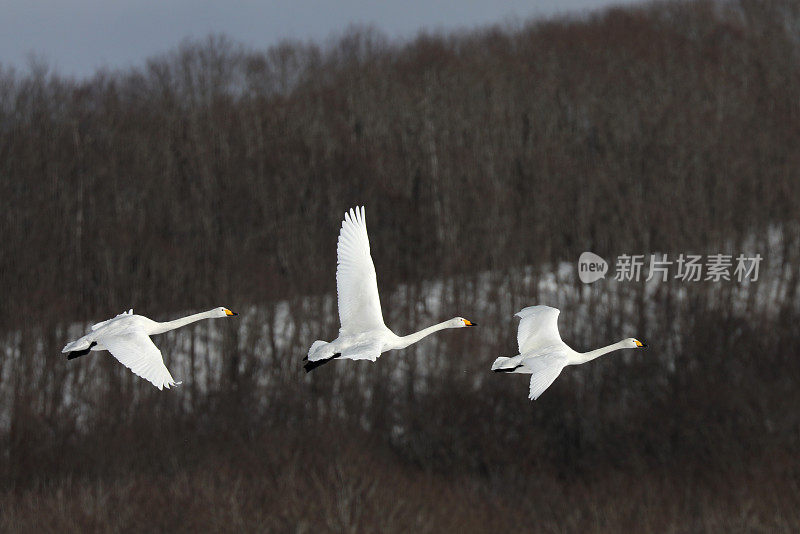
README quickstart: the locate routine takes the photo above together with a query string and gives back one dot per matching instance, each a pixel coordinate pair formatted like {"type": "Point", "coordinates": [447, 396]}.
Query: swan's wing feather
{"type": "Point", "coordinates": [545, 368]}
{"type": "Point", "coordinates": [356, 282]}
{"type": "Point", "coordinates": [103, 323]}
{"type": "Point", "coordinates": [366, 350]}
{"type": "Point", "coordinates": [137, 352]}
{"type": "Point", "coordinates": [538, 328]}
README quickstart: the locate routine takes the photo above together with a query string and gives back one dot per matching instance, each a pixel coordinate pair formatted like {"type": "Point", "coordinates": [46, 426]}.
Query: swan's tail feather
{"type": "Point", "coordinates": [317, 344]}
{"type": "Point", "coordinates": [320, 350]}
{"type": "Point", "coordinates": [504, 365]}
{"type": "Point", "coordinates": [78, 344]}
{"type": "Point", "coordinates": [320, 353]}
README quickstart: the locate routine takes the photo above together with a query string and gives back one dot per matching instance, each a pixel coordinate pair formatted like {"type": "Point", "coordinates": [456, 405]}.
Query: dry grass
{"type": "Point", "coordinates": [359, 490]}
{"type": "Point", "coordinates": [330, 478]}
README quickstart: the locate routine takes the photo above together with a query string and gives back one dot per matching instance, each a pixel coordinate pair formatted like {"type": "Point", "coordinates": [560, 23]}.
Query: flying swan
{"type": "Point", "coordinates": [363, 334]}
{"type": "Point", "coordinates": [127, 338]}
{"type": "Point", "coordinates": [542, 353]}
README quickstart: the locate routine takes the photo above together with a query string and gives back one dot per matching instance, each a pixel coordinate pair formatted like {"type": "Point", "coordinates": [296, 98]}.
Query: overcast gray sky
{"type": "Point", "coordinates": [78, 36]}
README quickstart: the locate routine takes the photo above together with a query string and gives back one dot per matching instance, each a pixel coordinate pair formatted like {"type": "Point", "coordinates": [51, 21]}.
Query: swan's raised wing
{"type": "Point", "coordinates": [107, 321]}
{"type": "Point", "coordinates": [545, 368]}
{"type": "Point", "coordinates": [538, 328]}
{"type": "Point", "coordinates": [136, 351]}
{"type": "Point", "coordinates": [356, 283]}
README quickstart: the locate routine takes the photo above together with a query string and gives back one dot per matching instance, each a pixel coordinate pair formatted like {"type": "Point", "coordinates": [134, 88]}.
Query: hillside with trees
{"type": "Point", "coordinates": [217, 175]}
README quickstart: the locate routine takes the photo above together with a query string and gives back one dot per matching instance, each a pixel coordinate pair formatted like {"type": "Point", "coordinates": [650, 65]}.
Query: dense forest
{"type": "Point", "coordinates": [488, 160]}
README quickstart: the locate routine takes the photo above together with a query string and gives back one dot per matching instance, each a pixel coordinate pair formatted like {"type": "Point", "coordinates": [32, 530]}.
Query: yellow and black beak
{"type": "Point", "coordinates": [640, 344]}
{"type": "Point", "coordinates": [230, 313]}
{"type": "Point", "coordinates": [469, 323]}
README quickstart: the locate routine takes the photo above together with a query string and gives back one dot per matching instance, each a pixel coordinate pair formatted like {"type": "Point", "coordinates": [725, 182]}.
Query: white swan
{"type": "Point", "coordinates": [542, 353]}
{"type": "Point", "coordinates": [363, 334]}
{"type": "Point", "coordinates": [127, 338]}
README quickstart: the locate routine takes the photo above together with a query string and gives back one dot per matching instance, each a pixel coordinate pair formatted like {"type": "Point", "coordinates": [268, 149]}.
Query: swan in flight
{"type": "Point", "coordinates": [127, 338]}
{"type": "Point", "coordinates": [363, 334]}
{"type": "Point", "coordinates": [542, 353]}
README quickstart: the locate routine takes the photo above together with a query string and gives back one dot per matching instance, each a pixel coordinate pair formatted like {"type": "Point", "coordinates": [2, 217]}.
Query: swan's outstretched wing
{"type": "Point", "coordinates": [545, 368]}
{"type": "Point", "coordinates": [538, 328]}
{"type": "Point", "coordinates": [136, 351]}
{"type": "Point", "coordinates": [356, 283]}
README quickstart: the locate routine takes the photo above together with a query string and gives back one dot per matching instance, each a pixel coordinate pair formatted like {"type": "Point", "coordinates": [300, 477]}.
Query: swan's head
{"type": "Point", "coordinates": [460, 322]}
{"type": "Point", "coordinates": [634, 343]}
{"type": "Point", "coordinates": [224, 312]}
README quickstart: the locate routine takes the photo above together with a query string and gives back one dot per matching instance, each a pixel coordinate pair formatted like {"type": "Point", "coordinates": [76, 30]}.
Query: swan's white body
{"type": "Point", "coordinates": [127, 338]}
{"type": "Point", "coordinates": [363, 334]}
{"type": "Point", "coordinates": [542, 352]}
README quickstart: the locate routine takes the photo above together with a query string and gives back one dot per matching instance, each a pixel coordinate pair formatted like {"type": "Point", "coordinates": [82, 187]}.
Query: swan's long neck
{"type": "Point", "coordinates": [404, 341]}
{"type": "Point", "coordinates": [160, 328]}
{"type": "Point", "coordinates": [583, 357]}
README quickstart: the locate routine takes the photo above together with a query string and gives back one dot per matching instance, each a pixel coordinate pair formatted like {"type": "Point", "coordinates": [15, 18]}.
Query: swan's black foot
{"type": "Point", "coordinates": [78, 353]}
{"type": "Point", "coordinates": [310, 366]}
{"type": "Point", "coordinates": [507, 370]}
